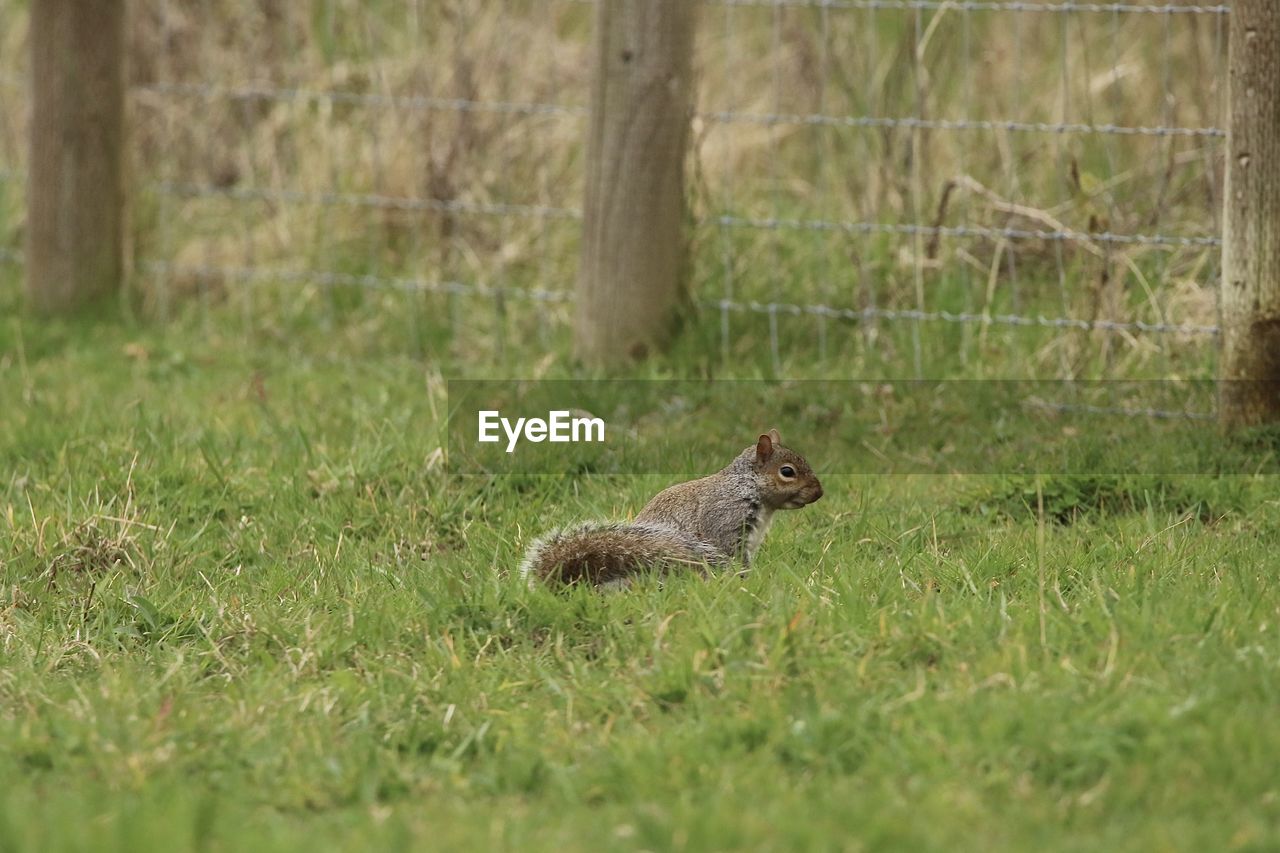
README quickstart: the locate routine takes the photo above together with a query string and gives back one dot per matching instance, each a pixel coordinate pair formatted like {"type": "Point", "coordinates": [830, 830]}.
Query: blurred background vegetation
{"type": "Point", "coordinates": [410, 173]}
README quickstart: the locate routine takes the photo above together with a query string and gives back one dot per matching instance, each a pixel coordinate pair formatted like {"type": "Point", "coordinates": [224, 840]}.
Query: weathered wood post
{"type": "Point", "coordinates": [1250, 367]}
{"type": "Point", "coordinates": [633, 242]}
{"type": "Point", "coordinates": [75, 190]}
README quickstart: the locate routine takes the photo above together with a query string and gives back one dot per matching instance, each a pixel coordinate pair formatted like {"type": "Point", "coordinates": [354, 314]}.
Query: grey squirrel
{"type": "Point", "coordinates": [704, 523]}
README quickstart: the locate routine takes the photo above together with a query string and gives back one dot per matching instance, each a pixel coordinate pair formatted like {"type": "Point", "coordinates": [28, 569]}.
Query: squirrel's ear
{"type": "Point", "coordinates": [774, 437]}
{"type": "Point", "coordinates": [764, 448]}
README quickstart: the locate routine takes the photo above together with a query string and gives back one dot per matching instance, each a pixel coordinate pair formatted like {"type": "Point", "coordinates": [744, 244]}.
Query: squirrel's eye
{"type": "Point", "coordinates": [787, 471]}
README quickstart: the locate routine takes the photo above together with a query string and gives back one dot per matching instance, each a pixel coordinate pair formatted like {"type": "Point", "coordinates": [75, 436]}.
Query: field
{"type": "Point", "coordinates": [247, 602]}
{"type": "Point", "coordinates": [246, 606]}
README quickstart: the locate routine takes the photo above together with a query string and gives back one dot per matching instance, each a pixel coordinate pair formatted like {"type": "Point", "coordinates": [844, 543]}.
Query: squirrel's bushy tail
{"type": "Point", "coordinates": [601, 553]}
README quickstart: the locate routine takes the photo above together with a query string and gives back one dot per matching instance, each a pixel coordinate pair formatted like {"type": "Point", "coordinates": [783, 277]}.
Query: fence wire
{"type": "Point", "coordinates": [984, 6]}
{"type": "Point", "coordinates": [1057, 149]}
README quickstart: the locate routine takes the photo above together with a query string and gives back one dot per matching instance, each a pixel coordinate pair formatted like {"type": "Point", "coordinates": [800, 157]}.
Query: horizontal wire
{"type": "Point", "coordinates": [719, 117]}
{"type": "Point", "coordinates": [1161, 414]}
{"type": "Point", "coordinates": [985, 6]}
{"type": "Point", "coordinates": [270, 93]}
{"type": "Point", "coordinates": [731, 117]}
{"type": "Point", "coordinates": [772, 223]}
{"type": "Point", "coordinates": [287, 196]}
{"type": "Point", "coordinates": [327, 278]}
{"type": "Point", "coordinates": [864, 314]}
{"type": "Point", "coordinates": [372, 200]}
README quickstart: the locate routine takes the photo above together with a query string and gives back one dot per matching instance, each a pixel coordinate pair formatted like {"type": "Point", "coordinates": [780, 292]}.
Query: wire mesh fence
{"type": "Point", "coordinates": [899, 185]}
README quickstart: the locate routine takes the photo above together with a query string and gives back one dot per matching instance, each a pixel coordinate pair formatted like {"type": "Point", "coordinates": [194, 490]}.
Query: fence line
{"type": "Point", "coordinates": [817, 120]}
{"type": "Point", "coordinates": [864, 314]}
{"type": "Point", "coordinates": [907, 229]}
{"type": "Point", "coordinates": [425, 103]}
{"type": "Point", "coordinates": [369, 200]}
{"type": "Point", "coordinates": [1067, 7]}
{"type": "Point", "coordinates": [407, 102]}
{"type": "Point", "coordinates": [1125, 411]}
{"type": "Point", "coordinates": [328, 278]}
{"type": "Point", "coordinates": [414, 203]}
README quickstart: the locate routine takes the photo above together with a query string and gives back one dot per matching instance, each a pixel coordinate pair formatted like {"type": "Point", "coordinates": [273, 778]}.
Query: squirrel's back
{"type": "Point", "coordinates": [602, 553]}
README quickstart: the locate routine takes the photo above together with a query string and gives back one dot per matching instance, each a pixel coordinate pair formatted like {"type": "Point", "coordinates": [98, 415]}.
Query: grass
{"type": "Point", "coordinates": [244, 605]}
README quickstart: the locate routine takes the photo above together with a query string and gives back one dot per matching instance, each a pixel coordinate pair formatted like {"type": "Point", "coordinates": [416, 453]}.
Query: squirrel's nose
{"type": "Point", "coordinates": [817, 494]}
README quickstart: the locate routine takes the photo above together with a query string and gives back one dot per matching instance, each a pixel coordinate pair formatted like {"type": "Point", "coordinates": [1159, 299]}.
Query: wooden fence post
{"type": "Point", "coordinates": [633, 242]}
{"type": "Point", "coordinates": [1250, 367]}
{"type": "Point", "coordinates": [75, 190]}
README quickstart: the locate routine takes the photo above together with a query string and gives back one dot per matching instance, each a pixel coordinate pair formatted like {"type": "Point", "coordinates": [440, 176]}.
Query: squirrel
{"type": "Point", "coordinates": [701, 524]}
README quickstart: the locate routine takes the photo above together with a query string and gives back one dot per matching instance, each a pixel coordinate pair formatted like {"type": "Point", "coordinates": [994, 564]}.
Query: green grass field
{"type": "Point", "coordinates": [246, 602]}
{"type": "Point", "coordinates": [246, 606]}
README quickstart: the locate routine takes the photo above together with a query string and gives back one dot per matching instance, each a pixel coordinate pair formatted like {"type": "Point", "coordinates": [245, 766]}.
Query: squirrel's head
{"type": "Point", "coordinates": [786, 480]}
